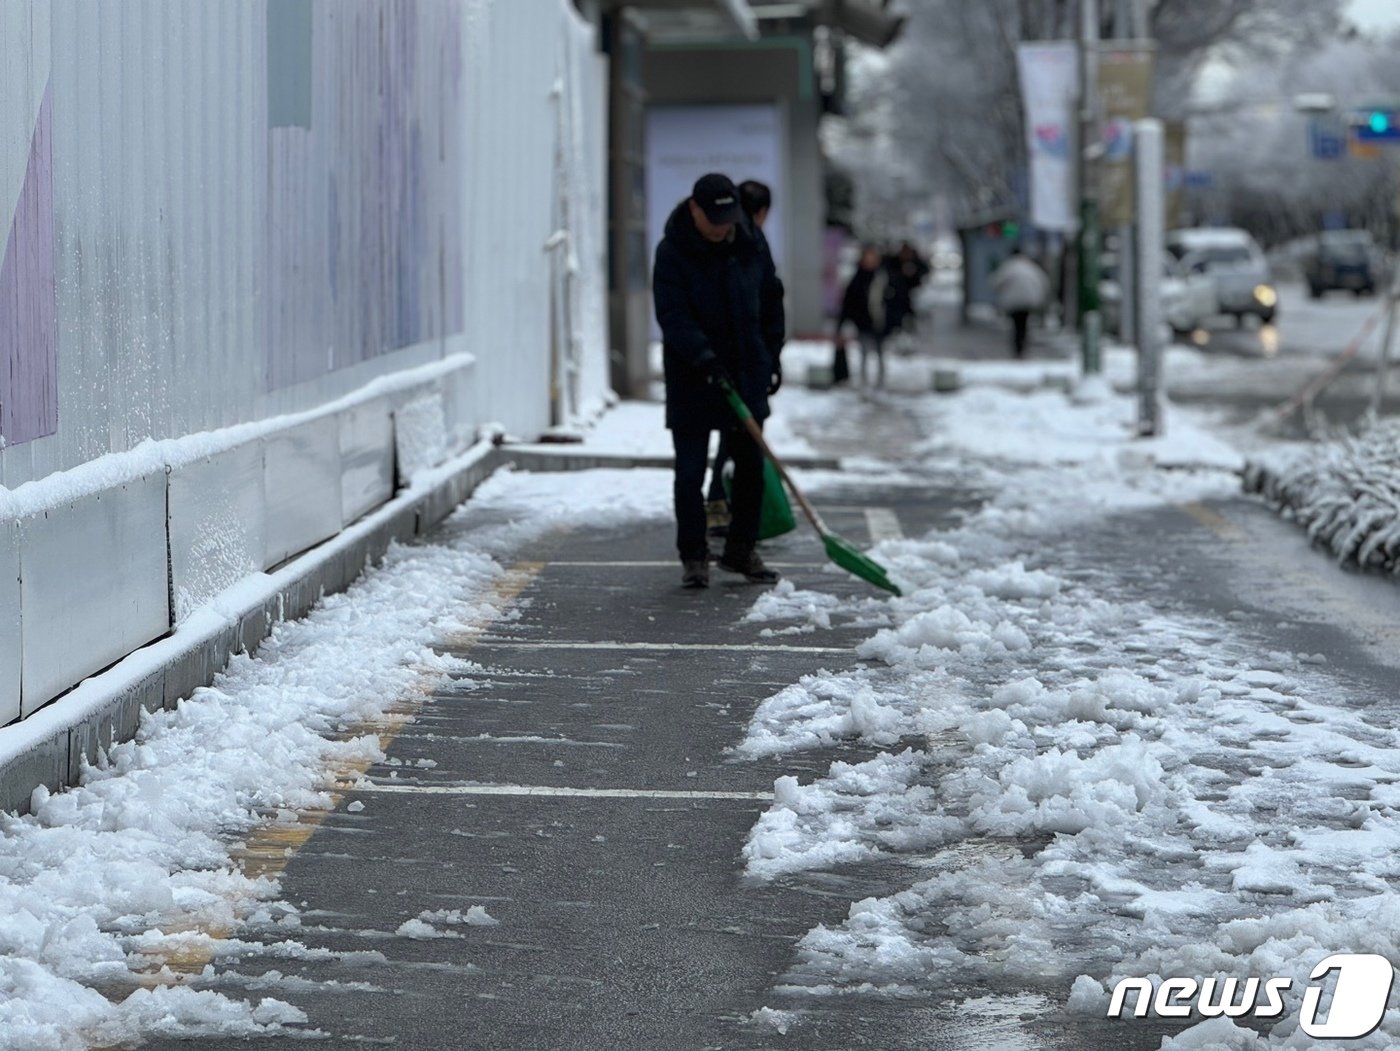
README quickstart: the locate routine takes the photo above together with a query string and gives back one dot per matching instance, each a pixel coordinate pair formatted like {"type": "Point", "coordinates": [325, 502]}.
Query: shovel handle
{"type": "Point", "coordinates": [746, 417]}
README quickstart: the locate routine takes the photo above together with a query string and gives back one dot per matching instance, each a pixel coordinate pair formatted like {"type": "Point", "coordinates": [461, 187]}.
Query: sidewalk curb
{"type": "Point", "coordinates": [50, 747]}
{"type": "Point", "coordinates": [560, 458]}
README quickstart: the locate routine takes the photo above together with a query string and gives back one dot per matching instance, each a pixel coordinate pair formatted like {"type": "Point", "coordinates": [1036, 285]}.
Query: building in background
{"type": "Point", "coordinates": [728, 85]}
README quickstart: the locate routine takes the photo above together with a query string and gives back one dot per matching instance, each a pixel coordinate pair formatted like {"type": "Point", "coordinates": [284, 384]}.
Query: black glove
{"type": "Point", "coordinates": [776, 380]}
{"type": "Point", "coordinates": [711, 369]}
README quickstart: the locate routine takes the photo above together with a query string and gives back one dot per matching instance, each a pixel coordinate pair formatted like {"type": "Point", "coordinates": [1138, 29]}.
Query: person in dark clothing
{"type": "Point", "coordinates": [866, 306]}
{"type": "Point", "coordinates": [719, 304]}
{"type": "Point", "coordinates": [757, 201]}
{"type": "Point", "coordinates": [907, 272]}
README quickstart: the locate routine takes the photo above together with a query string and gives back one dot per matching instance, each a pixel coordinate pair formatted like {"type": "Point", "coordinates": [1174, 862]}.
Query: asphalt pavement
{"type": "Point", "coordinates": [578, 788]}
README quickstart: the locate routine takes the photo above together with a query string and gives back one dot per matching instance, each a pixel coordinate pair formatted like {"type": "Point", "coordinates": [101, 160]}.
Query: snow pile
{"type": "Point", "coordinates": [100, 884]}
{"type": "Point", "coordinates": [811, 609]}
{"type": "Point", "coordinates": [139, 847]}
{"type": "Point", "coordinates": [1345, 493]}
{"type": "Point", "coordinates": [768, 1018]}
{"type": "Point", "coordinates": [821, 710]}
{"type": "Point", "coordinates": [420, 929]}
{"type": "Point", "coordinates": [638, 428]}
{"type": "Point", "coordinates": [1043, 427]}
{"type": "Point", "coordinates": [1088, 783]}
{"type": "Point", "coordinates": [857, 811]}
{"type": "Point", "coordinates": [1201, 809]}
{"type": "Point", "coordinates": [431, 923]}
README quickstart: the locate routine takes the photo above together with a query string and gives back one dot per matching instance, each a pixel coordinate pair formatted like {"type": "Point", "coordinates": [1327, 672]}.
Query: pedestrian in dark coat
{"type": "Point", "coordinates": [719, 305]}
{"type": "Point", "coordinates": [907, 272]}
{"type": "Point", "coordinates": [756, 199]}
{"type": "Point", "coordinates": [866, 305]}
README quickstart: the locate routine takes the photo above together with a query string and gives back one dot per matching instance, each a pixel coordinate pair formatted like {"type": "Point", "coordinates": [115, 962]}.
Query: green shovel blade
{"type": "Point", "coordinates": [852, 561]}
{"type": "Point", "coordinates": [838, 550]}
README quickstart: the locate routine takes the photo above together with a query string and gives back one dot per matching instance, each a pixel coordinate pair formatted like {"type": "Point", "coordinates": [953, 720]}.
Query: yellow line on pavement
{"type": "Point", "coordinates": [267, 850]}
{"type": "Point", "coordinates": [1214, 521]}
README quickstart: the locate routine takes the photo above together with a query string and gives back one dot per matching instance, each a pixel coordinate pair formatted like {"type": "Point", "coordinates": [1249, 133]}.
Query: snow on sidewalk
{"type": "Point", "coordinates": [98, 882]}
{"type": "Point", "coordinates": [638, 428]}
{"type": "Point", "coordinates": [1097, 788]}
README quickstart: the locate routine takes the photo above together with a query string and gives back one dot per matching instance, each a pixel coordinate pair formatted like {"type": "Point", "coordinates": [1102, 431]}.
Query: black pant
{"type": "Point", "coordinates": [692, 457]}
{"type": "Point", "coordinates": [1020, 319]}
{"type": "Point", "coordinates": [717, 471]}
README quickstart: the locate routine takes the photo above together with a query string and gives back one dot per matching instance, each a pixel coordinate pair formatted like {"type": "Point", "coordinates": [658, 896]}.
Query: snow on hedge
{"type": "Point", "coordinates": [1345, 493]}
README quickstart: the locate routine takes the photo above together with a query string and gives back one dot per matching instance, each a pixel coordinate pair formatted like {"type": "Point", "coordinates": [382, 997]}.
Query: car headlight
{"type": "Point", "coordinates": [1265, 295]}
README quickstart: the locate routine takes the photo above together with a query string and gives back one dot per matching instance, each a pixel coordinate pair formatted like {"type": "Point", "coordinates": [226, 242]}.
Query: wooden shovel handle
{"type": "Point", "coordinates": [742, 411]}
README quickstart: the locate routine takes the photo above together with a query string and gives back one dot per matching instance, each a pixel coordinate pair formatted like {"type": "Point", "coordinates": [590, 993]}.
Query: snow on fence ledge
{"type": "Point", "coordinates": [1345, 493]}
{"type": "Point", "coordinates": [98, 561]}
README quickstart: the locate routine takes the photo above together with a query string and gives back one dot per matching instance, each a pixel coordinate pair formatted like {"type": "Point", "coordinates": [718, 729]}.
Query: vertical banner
{"type": "Point", "coordinates": [1125, 95]}
{"type": "Point", "coordinates": [1049, 88]}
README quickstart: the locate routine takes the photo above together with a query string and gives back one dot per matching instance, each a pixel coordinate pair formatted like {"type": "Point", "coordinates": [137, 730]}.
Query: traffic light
{"type": "Point", "coordinates": [1376, 125]}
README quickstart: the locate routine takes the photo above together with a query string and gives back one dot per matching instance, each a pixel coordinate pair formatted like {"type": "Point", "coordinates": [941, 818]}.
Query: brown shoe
{"type": "Point", "coordinates": [695, 574]}
{"type": "Point", "coordinates": [747, 561]}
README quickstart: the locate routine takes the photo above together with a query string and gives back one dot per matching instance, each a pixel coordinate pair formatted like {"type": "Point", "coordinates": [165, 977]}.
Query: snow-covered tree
{"type": "Point", "coordinates": [939, 114]}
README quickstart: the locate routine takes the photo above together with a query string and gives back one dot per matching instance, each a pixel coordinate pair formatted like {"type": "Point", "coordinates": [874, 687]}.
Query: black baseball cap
{"type": "Point", "coordinates": [718, 198]}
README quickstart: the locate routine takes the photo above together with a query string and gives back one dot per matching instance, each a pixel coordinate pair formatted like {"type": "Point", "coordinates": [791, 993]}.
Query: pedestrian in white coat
{"type": "Point", "coordinates": [1021, 288]}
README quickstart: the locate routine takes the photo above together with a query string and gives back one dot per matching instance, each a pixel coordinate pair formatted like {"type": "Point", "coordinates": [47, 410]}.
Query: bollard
{"type": "Point", "coordinates": [946, 381]}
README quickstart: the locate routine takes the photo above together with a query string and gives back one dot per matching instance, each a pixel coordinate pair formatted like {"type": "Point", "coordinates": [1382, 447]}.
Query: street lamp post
{"type": "Point", "coordinates": [1149, 159]}
{"type": "Point", "coordinates": [1091, 151]}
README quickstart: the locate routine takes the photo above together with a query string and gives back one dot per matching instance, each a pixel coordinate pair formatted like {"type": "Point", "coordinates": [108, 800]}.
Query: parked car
{"type": "Point", "coordinates": [1188, 300]}
{"type": "Point", "coordinates": [1341, 259]}
{"type": "Point", "coordinates": [1236, 265]}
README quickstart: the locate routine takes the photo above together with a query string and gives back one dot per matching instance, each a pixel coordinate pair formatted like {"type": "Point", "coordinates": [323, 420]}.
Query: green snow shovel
{"type": "Point", "coordinates": [840, 551]}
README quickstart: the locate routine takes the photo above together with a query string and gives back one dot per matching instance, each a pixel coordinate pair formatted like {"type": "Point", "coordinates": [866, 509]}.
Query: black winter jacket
{"type": "Point", "coordinates": [867, 302]}
{"type": "Point", "coordinates": [725, 298]}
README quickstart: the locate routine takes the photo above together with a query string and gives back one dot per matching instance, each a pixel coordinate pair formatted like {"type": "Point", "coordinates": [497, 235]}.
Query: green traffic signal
{"type": "Point", "coordinates": [1380, 122]}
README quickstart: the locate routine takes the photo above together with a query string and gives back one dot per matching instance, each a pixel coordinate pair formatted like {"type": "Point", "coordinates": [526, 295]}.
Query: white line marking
{"type": "Point", "coordinates": [883, 524]}
{"type": "Point", "coordinates": [510, 739]}
{"type": "Point", "coordinates": [548, 791]}
{"type": "Point", "coordinates": [659, 647]}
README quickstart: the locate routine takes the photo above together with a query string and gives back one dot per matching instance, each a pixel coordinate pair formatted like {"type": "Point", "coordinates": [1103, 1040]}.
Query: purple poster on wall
{"type": "Point", "coordinates": [28, 308]}
{"type": "Point", "coordinates": [363, 248]}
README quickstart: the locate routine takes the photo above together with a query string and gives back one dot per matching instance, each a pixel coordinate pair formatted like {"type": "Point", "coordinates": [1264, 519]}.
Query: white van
{"type": "Point", "coordinates": [1235, 264]}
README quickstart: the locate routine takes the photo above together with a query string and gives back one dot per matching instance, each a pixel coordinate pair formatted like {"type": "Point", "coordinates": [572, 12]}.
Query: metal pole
{"type": "Point", "coordinates": [1141, 29]}
{"type": "Point", "coordinates": [1124, 29]}
{"type": "Point", "coordinates": [1149, 155]}
{"type": "Point", "coordinates": [1378, 398]}
{"type": "Point", "coordinates": [1091, 150]}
